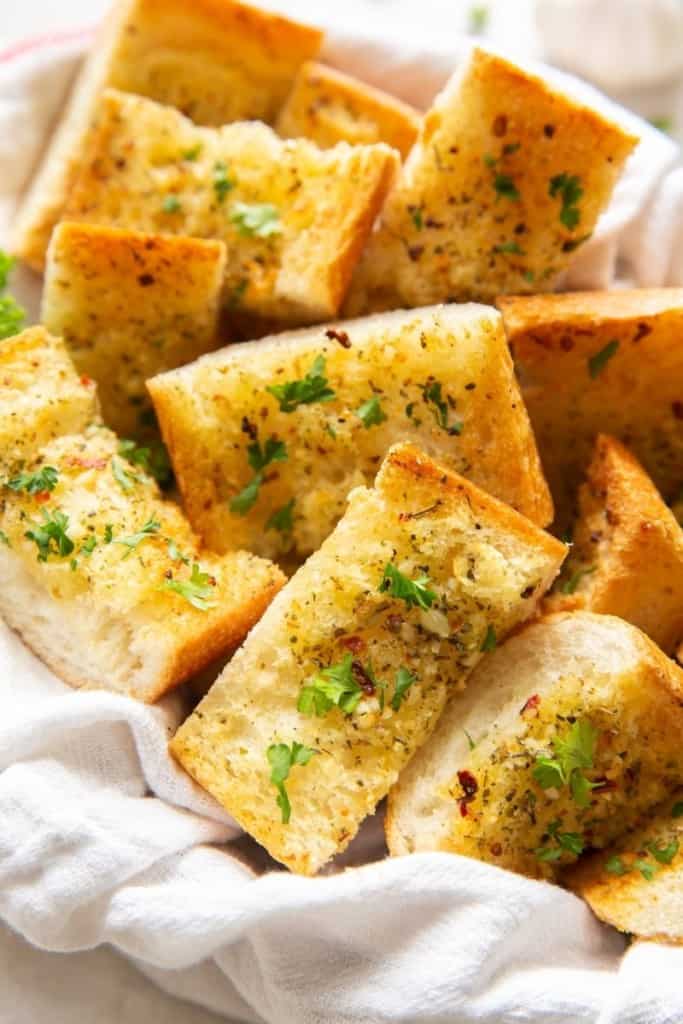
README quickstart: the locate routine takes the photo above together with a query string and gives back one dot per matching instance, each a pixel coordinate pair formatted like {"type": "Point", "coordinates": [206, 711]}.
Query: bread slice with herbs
{"type": "Point", "coordinates": [601, 362]}
{"type": "Point", "coordinates": [506, 181]}
{"type": "Point", "coordinates": [627, 552]}
{"type": "Point", "coordinates": [105, 580]}
{"type": "Point", "coordinates": [294, 218]}
{"type": "Point", "coordinates": [328, 106]}
{"type": "Point", "coordinates": [637, 885]}
{"type": "Point", "coordinates": [350, 668]}
{"type": "Point", "coordinates": [566, 735]}
{"type": "Point", "coordinates": [267, 438]}
{"type": "Point", "coordinates": [41, 396]}
{"type": "Point", "coordinates": [129, 305]}
{"type": "Point", "coordinates": [216, 60]}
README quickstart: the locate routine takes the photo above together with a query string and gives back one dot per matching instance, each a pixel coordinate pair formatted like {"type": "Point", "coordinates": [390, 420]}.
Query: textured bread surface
{"type": "Point", "coordinates": [642, 894]}
{"type": "Point", "coordinates": [101, 615]}
{"type": "Point", "coordinates": [41, 395]}
{"type": "Point", "coordinates": [130, 305]}
{"type": "Point", "coordinates": [634, 395]}
{"type": "Point", "coordinates": [216, 60]}
{"type": "Point", "coordinates": [488, 568]}
{"type": "Point", "coordinates": [560, 670]}
{"type": "Point", "coordinates": [211, 411]}
{"type": "Point", "coordinates": [328, 107]}
{"type": "Point", "coordinates": [472, 214]}
{"type": "Point", "coordinates": [627, 549]}
{"type": "Point", "coordinates": [321, 204]}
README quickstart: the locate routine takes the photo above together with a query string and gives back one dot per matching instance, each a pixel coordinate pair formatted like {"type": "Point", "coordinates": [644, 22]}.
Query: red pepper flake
{"type": "Point", "coordinates": [340, 336]}
{"type": "Point", "coordinates": [496, 849]}
{"type": "Point", "coordinates": [86, 381]}
{"type": "Point", "coordinates": [469, 787]}
{"type": "Point", "coordinates": [394, 623]}
{"type": "Point", "coordinates": [531, 705]}
{"type": "Point", "coordinates": [356, 644]}
{"type": "Point", "coordinates": [362, 678]}
{"type": "Point", "coordinates": [42, 497]}
{"type": "Point", "coordinates": [87, 463]}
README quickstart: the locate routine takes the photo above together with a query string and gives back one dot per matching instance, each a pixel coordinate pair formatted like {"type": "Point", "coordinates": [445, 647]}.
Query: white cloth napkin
{"type": "Point", "coordinates": [104, 840]}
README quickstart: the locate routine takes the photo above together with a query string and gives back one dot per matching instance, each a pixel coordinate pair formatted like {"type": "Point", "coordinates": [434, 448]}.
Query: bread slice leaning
{"type": "Point", "coordinates": [41, 396]}
{"type": "Point", "coordinates": [637, 885]}
{"type": "Point", "coordinates": [627, 549]}
{"type": "Point", "coordinates": [601, 362]}
{"type": "Point", "coordinates": [440, 377]}
{"type": "Point", "coordinates": [129, 305]}
{"type": "Point", "coordinates": [399, 660]}
{"type": "Point", "coordinates": [216, 60]}
{"type": "Point", "coordinates": [328, 106]}
{"type": "Point", "coordinates": [506, 181]}
{"type": "Point", "coordinates": [591, 686]}
{"type": "Point", "coordinates": [294, 218]}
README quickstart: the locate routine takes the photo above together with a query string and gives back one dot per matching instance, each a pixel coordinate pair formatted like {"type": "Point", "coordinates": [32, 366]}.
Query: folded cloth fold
{"type": "Point", "coordinates": [105, 840]}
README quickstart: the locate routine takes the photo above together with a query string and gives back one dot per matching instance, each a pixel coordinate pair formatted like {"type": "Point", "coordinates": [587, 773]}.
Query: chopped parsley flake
{"type": "Point", "coordinates": [193, 153]}
{"type": "Point", "coordinates": [569, 586]}
{"type": "Point", "coordinates": [404, 680]}
{"type": "Point", "coordinates": [51, 533]}
{"type": "Point", "coordinates": [663, 854]}
{"type": "Point", "coordinates": [40, 482]}
{"type": "Point", "coordinates": [509, 248]}
{"type": "Point", "coordinates": [414, 592]}
{"type": "Point", "coordinates": [283, 519]}
{"type": "Point", "coordinates": [4, 539]}
{"type": "Point", "coordinates": [222, 184]}
{"type": "Point", "coordinates": [171, 204]}
{"type": "Point", "coordinates": [570, 842]}
{"type": "Point", "coordinates": [124, 478]}
{"type": "Point", "coordinates": [416, 217]}
{"type": "Point", "coordinates": [258, 220]}
{"type": "Point", "coordinates": [616, 866]}
{"type": "Point", "coordinates": [148, 530]}
{"type": "Point", "coordinates": [647, 869]}
{"type": "Point", "coordinates": [568, 188]}
{"type": "Point", "coordinates": [6, 267]}
{"type": "Point", "coordinates": [371, 413]}
{"type": "Point", "coordinates": [196, 590]}
{"type": "Point", "coordinates": [505, 187]}
{"type": "Point", "coordinates": [677, 809]}
{"type": "Point", "coordinates": [259, 458]}
{"type": "Point", "coordinates": [490, 641]}
{"type": "Point", "coordinates": [313, 388]}
{"type": "Point", "coordinates": [108, 533]}
{"type": "Point", "coordinates": [470, 742]}
{"type": "Point", "coordinates": [175, 553]}
{"type": "Point", "coordinates": [282, 759]}
{"type": "Point", "coordinates": [598, 362]}
{"type": "Point", "coordinates": [11, 314]}
{"type": "Point", "coordinates": [153, 458]}
{"type": "Point", "coordinates": [334, 686]}
{"type": "Point", "coordinates": [247, 497]}
{"type": "Point", "coordinates": [89, 545]}
{"type": "Point", "coordinates": [573, 755]}
{"type": "Point", "coordinates": [432, 395]}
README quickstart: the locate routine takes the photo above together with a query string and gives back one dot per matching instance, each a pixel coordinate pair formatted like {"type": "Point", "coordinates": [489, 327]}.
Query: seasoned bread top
{"type": "Point", "coordinates": [41, 395]}
{"type": "Point", "coordinates": [505, 182]}
{"type": "Point", "coordinates": [441, 377]}
{"type": "Point", "coordinates": [484, 568]}
{"type": "Point", "coordinates": [627, 549]}
{"type": "Point", "coordinates": [601, 362]}
{"type": "Point", "coordinates": [130, 305]}
{"type": "Point", "coordinates": [294, 218]}
{"type": "Point", "coordinates": [327, 106]}
{"type": "Point", "coordinates": [589, 692]}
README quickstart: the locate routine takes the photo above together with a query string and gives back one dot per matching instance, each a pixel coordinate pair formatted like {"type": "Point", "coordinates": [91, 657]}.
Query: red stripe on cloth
{"type": "Point", "coordinates": [43, 41]}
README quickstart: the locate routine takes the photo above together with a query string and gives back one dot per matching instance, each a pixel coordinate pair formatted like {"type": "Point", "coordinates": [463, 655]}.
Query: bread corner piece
{"type": "Point", "coordinates": [129, 305]}
{"type": "Point", "coordinates": [570, 689]}
{"type": "Point", "coordinates": [601, 362]}
{"type": "Point", "coordinates": [627, 552]}
{"type": "Point", "coordinates": [637, 884]}
{"type": "Point", "coordinates": [440, 377]}
{"type": "Point", "coordinates": [216, 60]}
{"type": "Point", "coordinates": [41, 396]}
{"type": "Point", "coordinates": [294, 218]}
{"type": "Point", "coordinates": [348, 672]}
{"type": "Point", "coordinates": [328, 106]}
{"type": "Point", "coordinates": [505, 183]}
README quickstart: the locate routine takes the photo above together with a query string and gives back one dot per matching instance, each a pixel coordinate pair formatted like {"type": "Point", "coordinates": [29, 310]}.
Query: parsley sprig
{"type": "Point", "coordinates": [196, 591]}
{"type": "Point", "coordinates": [282, 758]}
{"type": "Point", "coordinates": [314, 387]}
{"type": "Point", "coordinates": [256, 220]}
{"type": "Point", "coordinates": [569, 842]}
{"type": "Point", "coordinates": [415, 593]}
{"type": "Point", "coordinates": [51, 535]}
{"type": "Point", "coordinates": [371, 413]}
{"type": "Point", "coordinates": [573, 756]}
{"type": "Point", "coordinates": [148, 530]}
{"type": "Point", "coordinates": [282, 519]}
{"type": "Point", "coordinates": [662, 855]}
{"type": "Point", "coordinates": [598, 362]}
{"type": "Point", "coordinates": [259, 458]}
{"type": "Point", "coordinates": [41, 482]}
{"type": "Point", "coordinates": [334, 686]}
{"type": "Point", "coordinates": [568, 188]}
{"type": "Point", "coordinates": [152, 458]}
{"type": "Point", "coordinates": [432, 396]}
{"type": "Point", "coordinates": [404, 680]}
{"type": "Point", "coordinates": [12, 315]}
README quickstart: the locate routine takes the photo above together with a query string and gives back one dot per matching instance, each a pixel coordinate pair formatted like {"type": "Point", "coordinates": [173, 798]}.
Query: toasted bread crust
{"type": "Point", "coordinates": [506, 180]}
{"type": "Point", "coordinates": [328, 106]}
{"type": "Point", "coordinates": [635, 336]}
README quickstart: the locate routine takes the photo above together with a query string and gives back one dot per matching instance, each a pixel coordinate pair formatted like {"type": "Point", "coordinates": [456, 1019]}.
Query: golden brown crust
{"type": "Point", "coordinates": [328, 106]}
{"type": "Point", "coordinates": [607, 362]}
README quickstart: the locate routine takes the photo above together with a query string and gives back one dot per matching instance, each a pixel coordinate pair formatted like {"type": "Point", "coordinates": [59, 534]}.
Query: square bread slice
{"type": "Point", "coordinates": [507, 179]}
{"type": "Point", "coordinates": [130, 305]}
{"type": "Point", "coordinates": [627, 552]}
{"type": "Point", "coordinates": [567, 734]}
{"type": "Point", "coordinates": [41, 396]}
{"type": "Point", "coordinates": [294, 217]}
{"type": "Point", "coordinates": [601, 362]}
{"type": "Point", "coordinates": [216, 60]}
{"type": "Point", "coordinates": [327, 106]}
{"type": "Point", "coordinates": [637, 885]}
{"type": "Point", "coordinates": [105, 581]}
{"type": "Point", "coordinates": [441, 377]}
{"type": "Point", "coordinates": [353, 663]}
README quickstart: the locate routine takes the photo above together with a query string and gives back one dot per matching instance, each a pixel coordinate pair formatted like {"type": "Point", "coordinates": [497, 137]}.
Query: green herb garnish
{"type": "Point", "coordinates": [569, 586]}
{"type": "Point", "coordinates": [313, 388]}
{"type": "Point", "coordinates": [569, 189]}
{"type": "Point", "coordinates": [247, 497]}
{"type": "Point", "coordinates": [415, 593]}
{"type": "Point", "coordinates": [334, 686]}
{"type": "Point", "coordinates": [404, 680]}
{"type": "Point", "coordinates": [416, 217]}
{"type": "Point", "coordinates": [616, 866]}
{"type": "Point", "coordinates": [171, 204]}
{"type": "Point", "coordinates": [569, 842]}
{"type": "Point", "coordinates": [477, 19]}
{"type": "Point", "coordinates": [222, 184]}
{"type": "Point", "coordinates": [51, 533]}
{"type": "Point", "coordinates": [647, 869]}
{"type": "Point", "coordinates": [505, 187]}
{"type": "Point", "coordinates": [663, 854]}
{"type": "Point", "coordinates": [490, 641]}
{"type": "Point", "coordinates": [175, 553]}
{"type": "Point", "coordinates": [193, 153]}
{"type": "Point", "coordinates": [124, 478]}
{"type": "Point", "coordinates": [677, 809]}
{"type": "Point", "coordinates": [152, 457]}
{"type": "Point", "coordinates": [257, 220]}
{"type": "Point", "coordinates": [196, 590]}
{"type": "Point", "coordinates": [12, 317]}
{"type": "Point", "coordinates": [4, 539]}
{"type": "Point", "coordinates": [573, 755]}
{"type": "Point", "coordinates": [148, 530]}
{"type": "Point", "coordinates": [371, 413]}
{"type": "Point", "coordinates": [509, 247]}
{"type": "Point", "coordinates": [282, 759]}
{"type": "Point", "coordinates": [41, 482]}
{"type": "Point", "coordinates": [282, 519]}
{"type": "Point", "coordinates": [431, 394]}
{"type": "Point", "coordinates": [598, 362]}
{"type": "Point", "coordinates": [259, 458]}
